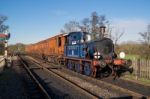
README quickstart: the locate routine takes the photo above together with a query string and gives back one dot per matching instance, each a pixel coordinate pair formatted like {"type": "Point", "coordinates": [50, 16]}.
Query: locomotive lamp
{"type": "Point", "coordinates": [97, 55]}
{"type": "Point", "coordinates": [122, 55]}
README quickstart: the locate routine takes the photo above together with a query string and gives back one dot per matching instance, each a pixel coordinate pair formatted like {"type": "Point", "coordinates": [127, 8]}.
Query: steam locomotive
{"type": "Point", "coordinates": [95, 58]}
{"type": "Point", "coordinates": [80, 53]}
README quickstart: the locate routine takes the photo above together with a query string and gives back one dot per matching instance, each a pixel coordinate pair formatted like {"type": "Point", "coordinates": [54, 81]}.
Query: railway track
{"type": "Point", "coordinates": [103, 89]}
{"type": "Point", "coordinates": [36, 90]}
{"type": "Point", "coordinates": [131, 88]}
{"type": "Point", "coordinates": [87, 94]}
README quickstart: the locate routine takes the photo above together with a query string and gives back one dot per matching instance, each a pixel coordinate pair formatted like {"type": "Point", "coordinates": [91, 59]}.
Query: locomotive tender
{"type": "Point", "coordinates": [78, 52]}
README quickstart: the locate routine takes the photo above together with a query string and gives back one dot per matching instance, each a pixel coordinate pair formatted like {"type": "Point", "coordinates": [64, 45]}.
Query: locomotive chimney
{"type": "Point", "coordinates": [102, 31]}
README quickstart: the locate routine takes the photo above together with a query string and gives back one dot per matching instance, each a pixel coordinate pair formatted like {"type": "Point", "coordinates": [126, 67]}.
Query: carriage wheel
{"type": "Point", "coordinates": [87, 69]}
{"type": "Point", "coordinates": [77, 67]}
{"type": "Point", "coordinates": [71, 65]}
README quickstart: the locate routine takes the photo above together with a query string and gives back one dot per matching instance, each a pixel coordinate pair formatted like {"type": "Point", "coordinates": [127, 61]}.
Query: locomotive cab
{"type": "Point", "coordinates": [76, 44]}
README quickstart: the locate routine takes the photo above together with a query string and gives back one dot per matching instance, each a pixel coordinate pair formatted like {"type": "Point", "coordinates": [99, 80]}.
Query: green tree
{"type": "Point", "coordinates": [16, 48]}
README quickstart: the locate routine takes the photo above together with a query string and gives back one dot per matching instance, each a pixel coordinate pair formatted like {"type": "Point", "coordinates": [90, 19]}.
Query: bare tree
{"type": "Point", "coordinates": [146, 36]}
{"type": "Point", "coordinates": [2, 19]}
{"type": "Point", "coordinates": [145, 47]}
{"type": "Point", "coordinates": [2, 26]}
{"type": "Point", "coordinates": [117, 37]}
{"type": "Point", "coordinates": [91, 25]}
{"type": "Point", "coordinates": [71, 26]}
{"type": "Point", "coordinates": [85, 25]}
{"type": "Point", "coordinates": [94, 21]}
{"type": "Point", "coordinates": [109, 29]}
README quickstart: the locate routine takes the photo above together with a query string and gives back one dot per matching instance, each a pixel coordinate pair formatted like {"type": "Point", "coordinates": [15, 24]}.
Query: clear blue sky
{"type": "Point", "coordinates": [34, 20]}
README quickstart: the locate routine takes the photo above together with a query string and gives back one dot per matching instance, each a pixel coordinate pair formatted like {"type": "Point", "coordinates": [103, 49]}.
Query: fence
{"type": "Point", "coordinates": [141, 68]}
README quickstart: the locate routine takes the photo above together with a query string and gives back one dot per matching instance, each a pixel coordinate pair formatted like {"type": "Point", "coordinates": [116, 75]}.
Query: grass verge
{"type": "Point", "coordinates": [139, 80]}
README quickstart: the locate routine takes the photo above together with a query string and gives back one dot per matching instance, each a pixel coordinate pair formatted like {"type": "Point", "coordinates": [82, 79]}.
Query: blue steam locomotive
{"type": "Point", "coordinates": [93, 57]}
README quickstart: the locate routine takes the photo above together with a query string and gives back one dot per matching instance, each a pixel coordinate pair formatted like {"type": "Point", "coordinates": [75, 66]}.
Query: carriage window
{"type": "Point", "coordinates": [59, 41]}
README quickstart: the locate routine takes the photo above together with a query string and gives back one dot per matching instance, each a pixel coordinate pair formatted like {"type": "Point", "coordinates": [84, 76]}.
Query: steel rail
{"type": "Point", "coordinates": [34, 78]}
